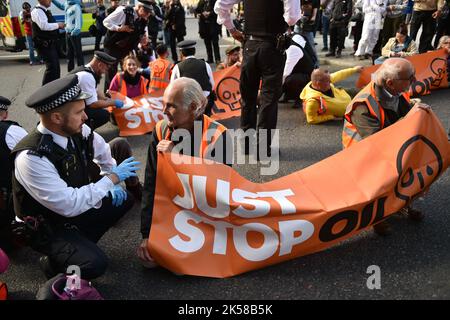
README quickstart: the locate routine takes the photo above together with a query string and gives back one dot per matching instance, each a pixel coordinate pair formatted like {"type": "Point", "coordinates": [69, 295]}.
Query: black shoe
{"type": "Point", "coordinates": [330, 54]}
{"type": "Point", "coordinates": [46, 267]}
{"type": "Point", "coordinates": [338, 54]}
{"type": "Point", "coordinates": [367, 56]}
{"type": "Point", "coordinates": [324, 49]}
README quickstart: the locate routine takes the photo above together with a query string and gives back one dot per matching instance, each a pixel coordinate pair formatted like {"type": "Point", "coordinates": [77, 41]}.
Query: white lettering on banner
{"type": "Point", "coordinates": [191, 225]}
{"type": "Point", "coordinates": [196, 237]}
{"type": "Point", "coordinates": [150, 115]}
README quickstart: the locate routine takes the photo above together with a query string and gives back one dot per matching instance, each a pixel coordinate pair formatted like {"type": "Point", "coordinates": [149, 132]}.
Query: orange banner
{"type": "Point", "coordinates": [228, 103]}
{"type": "Point", "coordinates": [138, 115]}
{"type": "Point", "coordinates": [210, 221]}
{"type": "Point", "coordinates": [431, 73]}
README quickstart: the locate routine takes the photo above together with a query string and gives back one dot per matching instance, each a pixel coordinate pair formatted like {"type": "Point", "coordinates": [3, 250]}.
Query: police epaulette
{"type": "Point", "coordinates": [34, 153]}
{"type": "Point", "coordinates": [45, 145]}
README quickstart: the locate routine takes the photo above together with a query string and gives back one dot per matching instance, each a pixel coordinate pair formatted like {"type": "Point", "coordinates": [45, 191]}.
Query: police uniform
{"type": "Point", "coordinates": [10, 134]}
{"type": "Point", "coordinates": [119, 44]}
{"type": "Point", "coordinates": [45, 38]}
{"type": "Point", "coordinates": [196, 69]}
{"type": "Point", "coordinates": [264, 21]}
{"type": "Point", "coordinates": [88, 81]}
{"type": "Point", "coordinates": [55, 192]}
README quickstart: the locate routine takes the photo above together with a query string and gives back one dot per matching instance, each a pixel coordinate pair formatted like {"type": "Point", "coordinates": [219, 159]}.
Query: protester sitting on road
{"type": "Point", "coordinates": [160, 69]}
{"type": "Point", "coordinates": [401, 46]}
{"type": "Point", "coordinates": [322, 100]}
{"type": "Point", "coordinates": [444, 43]}
{"type": "Point", "coordinates": [130, 82]}
{"type": "Point", "coordinates": [380, 104]}
{"type": "Point", "coordinates": [184, 103]}
{"type": "Point", "coordinates": [55, 189]}
{"type": "Point", "coordinates": [233, 53]}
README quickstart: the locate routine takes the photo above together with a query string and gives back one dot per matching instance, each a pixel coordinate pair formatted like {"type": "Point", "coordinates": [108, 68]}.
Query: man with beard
{"type": "Point", "coordinates": [66, 208]}
{"type": "Point", "coordinates": [89, 77]}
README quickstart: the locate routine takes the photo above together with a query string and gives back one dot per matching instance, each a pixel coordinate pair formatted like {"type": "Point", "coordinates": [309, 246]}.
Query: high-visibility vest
{"type": "Point", "coordinates": [160, 74]}
{"type": "Point", "coordinates": [368, 97]}
{"type": "Point", "coordinates": [122, 89]}
{"type": "Point", "coordinates": [208, 139]}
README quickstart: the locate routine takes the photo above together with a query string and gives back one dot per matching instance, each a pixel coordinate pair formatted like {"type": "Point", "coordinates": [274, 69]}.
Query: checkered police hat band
{"type": "Point", "coordinates": [3, 107]}
{"type": "Point", "coordinates": [62, 99]}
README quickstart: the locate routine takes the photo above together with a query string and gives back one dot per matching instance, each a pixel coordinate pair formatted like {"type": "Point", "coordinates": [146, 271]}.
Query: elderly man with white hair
{"type": "Point", "coordinates": [380, 104]}
{"type": "Point", "coordinates": [184, 104]}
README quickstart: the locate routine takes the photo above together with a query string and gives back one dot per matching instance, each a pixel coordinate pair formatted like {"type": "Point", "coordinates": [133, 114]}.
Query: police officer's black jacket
{"type": "Point", "coordinates": [264, 17]}
{"type": "Point", "coordinates": [73, 168]}
{"type": "Point", "coordinates": [121, 43]}
{"type": "Point", "coordinates": [5, 177]}
{"type": "Point", "coordinates": [195, 69]}
{"type": "Point", "coordinates": [40, 37]}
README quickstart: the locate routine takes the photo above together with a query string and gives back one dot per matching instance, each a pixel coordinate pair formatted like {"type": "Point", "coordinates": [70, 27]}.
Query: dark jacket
{"type": "Point", "coordinates": [207, 26]}
{"type": "Point", "coordinates": [342, 12]}
{"type": "Point", "coordinates": [175, 16]}
{"type": "Point", "coordinates": [155, 21]}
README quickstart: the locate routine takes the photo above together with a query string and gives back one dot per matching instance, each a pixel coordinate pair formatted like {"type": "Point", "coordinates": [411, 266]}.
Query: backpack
{"type": "Point", "coordinates": [65, 288]}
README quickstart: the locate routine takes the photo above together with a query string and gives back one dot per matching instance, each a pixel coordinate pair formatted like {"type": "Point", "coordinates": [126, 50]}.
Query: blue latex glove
{"type": "Point", "coordinates": [126, 169]}
{"type": "Point", "coordinates": [118, 195]}
{"type": "Point", "coordinates": [118, 103]}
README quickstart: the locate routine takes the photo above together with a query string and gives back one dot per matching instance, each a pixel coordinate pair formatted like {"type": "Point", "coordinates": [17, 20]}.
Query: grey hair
{"type": "Point", "coordinates": [442, 40]}
{"type": "Point", "coordinates": [389, 70]}
{"type": "Point", "coordinates": [192, 93]}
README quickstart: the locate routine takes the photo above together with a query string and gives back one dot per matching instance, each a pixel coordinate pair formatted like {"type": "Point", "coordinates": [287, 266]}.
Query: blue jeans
{"type": "Point", "coordinates": [309, 37]}
{"type": "Point", "coordinates": [325, 29]}
{"type": "Point", "coordinates": [31, 49]}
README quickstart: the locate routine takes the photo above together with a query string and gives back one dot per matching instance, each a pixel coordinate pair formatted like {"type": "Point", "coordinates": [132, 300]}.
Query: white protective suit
{"type": "Point", "coordinates": [374, 11]}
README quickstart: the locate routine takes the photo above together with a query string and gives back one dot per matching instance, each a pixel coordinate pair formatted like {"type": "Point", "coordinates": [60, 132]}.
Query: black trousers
{"type": "Point", "coordinates": [357, 33]}
{"type": "Point", "coordinates": [262, 61]}
{"type": "Point", "coordinates": [390, 27]}
{"type": "Point", "coordinates": [174, 39]}
{"type": "Point", "coordinates": [74, 242]}
{"type": "Point", "coordinates": [96, 117]}
{"type": "Point", "coordinates": [74, 51]}
{"type": "Point", "coordinates": [212, 42]}
{"type": "Point", "coordinates": [98, 40]}
{"type": "Point", "coordinates": [337, 37]}
{"type": "Point", "coordinates": [442, 28]}
{"type": "Point", "coordinates": [294, 84]}
{"type": "Point", "coordinates": [424, 19]}
{"type": "Point", "coordinates": [50, 56]}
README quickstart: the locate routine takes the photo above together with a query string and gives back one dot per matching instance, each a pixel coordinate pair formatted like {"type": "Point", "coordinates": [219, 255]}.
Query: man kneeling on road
{"type": "Point", "coordinates": [184, 103]}
{"type": "Point", "coordinates": [65, 208]}
{"type": "Point", "coordinates": [322, 101]}
{"type": "Point", "coordinates": [380, 104]}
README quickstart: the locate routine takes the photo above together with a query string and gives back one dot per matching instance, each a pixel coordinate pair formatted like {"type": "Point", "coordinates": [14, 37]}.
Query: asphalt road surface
{"type": "Point", "coordinates": [414, 260]}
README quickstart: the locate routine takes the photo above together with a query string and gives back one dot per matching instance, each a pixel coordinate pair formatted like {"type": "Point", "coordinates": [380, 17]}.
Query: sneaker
{"type": "Point", "coordinates": [413, 214]}
{"type": "Point", "coordinates": [382, 228]}
{"type": "Point", "coordinates": [46, 267]}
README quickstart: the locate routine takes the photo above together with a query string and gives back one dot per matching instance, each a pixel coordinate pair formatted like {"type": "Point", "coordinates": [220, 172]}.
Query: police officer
{"type": "Point", "coordinates": [45, 37]}
{"type": "Point", "coordinates": [53, 190]}
{"type": "Point", "coordinates": [197, 69]}
{"type": "Point", "coordinates": [10, 134]}
{"type": "Point", "coordinates": [265, 20]}
{"type": "Point", "coordinates": [126, 26]}
{"type": "Point", "coordinates": [89, 77]}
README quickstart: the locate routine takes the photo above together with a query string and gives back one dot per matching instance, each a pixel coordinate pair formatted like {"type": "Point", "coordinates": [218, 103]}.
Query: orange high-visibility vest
{"type": "Point", "coordinates": [208, 139]}
{"type": "Point", "coordinates": [122, 89]}
{"type": "Point", "coordinates": [368, 97]}
{"type": "Point", "coordinates": [161, 70]}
